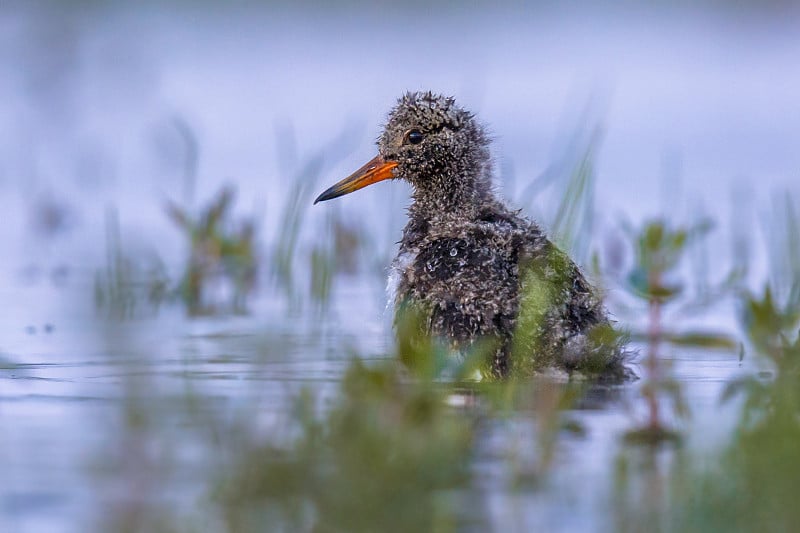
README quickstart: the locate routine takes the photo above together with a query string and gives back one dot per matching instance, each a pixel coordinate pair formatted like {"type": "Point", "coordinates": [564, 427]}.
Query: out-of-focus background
{"type": "Point", "coordinates": [158, 161]}
{"type": "Point", "coordinates": [694, 102]}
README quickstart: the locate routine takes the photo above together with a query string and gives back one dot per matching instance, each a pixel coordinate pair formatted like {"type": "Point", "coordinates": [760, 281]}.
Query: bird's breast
{"type": "Point", "coordinates": [401, 267]}
{"type": "Point", "coordinates": [455, 268]}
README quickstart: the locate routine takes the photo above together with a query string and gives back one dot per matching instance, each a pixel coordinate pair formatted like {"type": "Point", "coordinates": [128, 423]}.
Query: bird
{"type": "Point", "coordinates": [478, 271]}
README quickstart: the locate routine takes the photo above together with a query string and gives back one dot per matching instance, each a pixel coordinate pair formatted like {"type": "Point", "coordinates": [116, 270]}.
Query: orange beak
{"type": "Point", "coordinates": [376, 170]}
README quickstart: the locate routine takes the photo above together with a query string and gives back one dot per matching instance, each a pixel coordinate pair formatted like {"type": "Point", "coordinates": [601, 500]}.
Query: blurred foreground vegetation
{"type": "Point", "coordinates": [394, 443]}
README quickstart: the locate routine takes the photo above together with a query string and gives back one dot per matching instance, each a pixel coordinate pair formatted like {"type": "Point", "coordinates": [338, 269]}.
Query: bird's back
{"type": "Point", "coordinates": [495, 275]}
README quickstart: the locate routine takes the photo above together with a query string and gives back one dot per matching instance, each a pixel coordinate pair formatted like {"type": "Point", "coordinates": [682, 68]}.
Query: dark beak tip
{"type": "Point", "coordinates": [374, 171]}
{"type": "Point", "coordinates": [329, 194]}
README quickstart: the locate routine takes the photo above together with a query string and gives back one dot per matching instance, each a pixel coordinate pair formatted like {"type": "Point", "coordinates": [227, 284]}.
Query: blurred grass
{"type": "Point", "coordinates": [753, 484]}
{"type": "Point", "coordinates": [220, 251]}
{"type": "Point", "coordinates": [291, 221]}
{"type": "Point", "coordinates": [565, 191]}
{"type": "Point", "coordinates": [655, 280]}
{"type": "Point", "coordinates": [389, 451]}
{"type": "Point", "coordinates": [129, 285]}
{"type": "Point", "coordinates": [390, 455]}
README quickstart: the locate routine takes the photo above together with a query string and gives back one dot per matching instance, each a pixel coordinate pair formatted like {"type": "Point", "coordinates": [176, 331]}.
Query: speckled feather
{"type": "Point", "coordinates": [471, 263]}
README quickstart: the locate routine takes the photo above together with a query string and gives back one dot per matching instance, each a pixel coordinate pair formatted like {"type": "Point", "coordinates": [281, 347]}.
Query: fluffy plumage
{"type": "Point", "coordinates": [478, 269]}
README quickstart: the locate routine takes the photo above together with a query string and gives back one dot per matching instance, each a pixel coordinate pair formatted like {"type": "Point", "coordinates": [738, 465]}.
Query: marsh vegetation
{"type": "Point", "coordinates": [403, 438]}
{"type": "Point", "coordinates": [209, 358]}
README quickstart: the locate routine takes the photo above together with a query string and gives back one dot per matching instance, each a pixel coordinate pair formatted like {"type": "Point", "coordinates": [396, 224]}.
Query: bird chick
{"type": "Point", "coordinates": [478, 272]}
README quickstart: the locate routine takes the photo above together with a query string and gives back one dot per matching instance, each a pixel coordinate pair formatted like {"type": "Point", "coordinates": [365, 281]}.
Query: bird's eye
{"type": "Point", "coordinates": [415, 136]}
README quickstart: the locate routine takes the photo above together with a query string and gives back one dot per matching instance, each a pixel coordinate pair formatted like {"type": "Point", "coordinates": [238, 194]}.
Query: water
{"type": "Point", "coordinates": [102, 421]}
{"type": "Point", "coordinates": [73, 459]}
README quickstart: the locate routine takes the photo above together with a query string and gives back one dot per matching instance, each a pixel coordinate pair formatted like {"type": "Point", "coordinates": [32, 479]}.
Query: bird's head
{"type": "Point", "coordinates": [432, 143]}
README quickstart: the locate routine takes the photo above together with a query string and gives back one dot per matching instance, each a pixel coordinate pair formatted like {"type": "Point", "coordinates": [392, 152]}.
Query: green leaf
{"type": "Point", "coordinates": [703, 339]}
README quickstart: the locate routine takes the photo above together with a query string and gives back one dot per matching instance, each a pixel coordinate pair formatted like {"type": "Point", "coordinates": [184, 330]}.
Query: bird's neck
{"type": "Point", "coordinates": [440, 196]}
